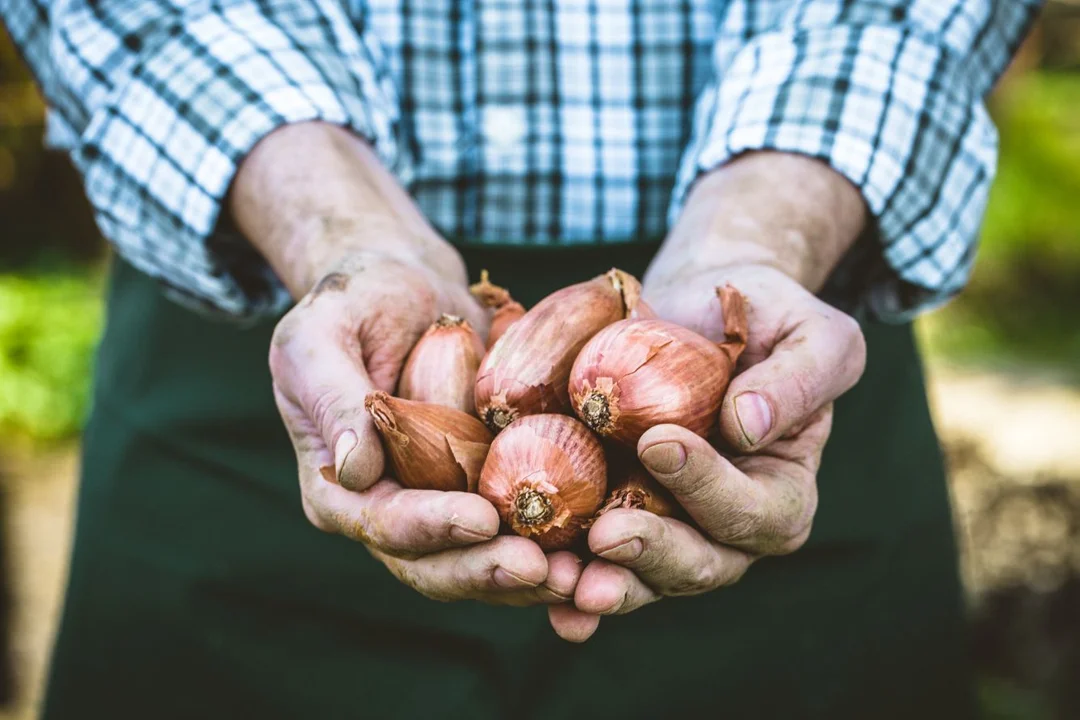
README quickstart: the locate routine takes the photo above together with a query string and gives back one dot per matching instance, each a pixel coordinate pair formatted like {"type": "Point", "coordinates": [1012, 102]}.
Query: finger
{"type": "Point", "coordinates": [817, 361]}
{"type": "Point", "coordinates": [667, 555]}
{"type": "Point", "coordinates": [768, 509]}
{"type": "Point", "coordinates": [609, 589]}
{"type": "Point", "coordinates": [505, 565]}
{"type": "Point", "coordinates": [320, 385]}
{"type": "Point", "coordinates": [564, 569]}
{"type": "Point", "coordinates": [397, 521]}
{"type": "Point", "coordinates": [571, 624]}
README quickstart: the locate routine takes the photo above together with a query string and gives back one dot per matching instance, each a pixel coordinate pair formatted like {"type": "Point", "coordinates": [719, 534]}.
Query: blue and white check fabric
{"type": "Point", "coordinates": [536, 122]}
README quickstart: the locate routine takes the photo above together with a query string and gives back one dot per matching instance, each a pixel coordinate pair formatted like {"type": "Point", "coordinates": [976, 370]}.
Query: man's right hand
{"type": "Point", "coordinates": [370, 275]}
{"type": "Point", "coordinates": [348, 337]}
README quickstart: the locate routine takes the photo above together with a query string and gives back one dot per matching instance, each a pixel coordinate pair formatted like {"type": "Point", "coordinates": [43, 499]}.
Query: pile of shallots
{"type": "Point", "coordinates": [502, 423]}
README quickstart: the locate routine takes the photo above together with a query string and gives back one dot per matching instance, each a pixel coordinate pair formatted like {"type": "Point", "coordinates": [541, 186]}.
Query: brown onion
{"type": "Point", "coordinates": [546, 475]}
{"type": "Point", "coordinates": [507, 310]}
{"type": "Point", "coordinates": [527, 370]}
{"type": "Point", "coordinates": [639, 373]}
{"type": "Point", "coordinates": [442, 366]}
{"type": "Point", "coordinates": [430, 447]}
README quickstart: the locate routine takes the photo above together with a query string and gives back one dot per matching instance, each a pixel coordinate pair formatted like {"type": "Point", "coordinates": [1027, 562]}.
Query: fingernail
{"type": "Point", "coordinates": [627, 551]}
{"type": "Point", "coordinates": [466, 535]}
{"type": "Point", "coordinates": [754, 415]}
{"type": "Point", "coordinates": [346, 443]}
{"type": "Point", "coordinates": [510, 581]}
{"type": "Point", "coordinates": [549, 595]}
{"type": "Point", "coordinates": [665, 458]}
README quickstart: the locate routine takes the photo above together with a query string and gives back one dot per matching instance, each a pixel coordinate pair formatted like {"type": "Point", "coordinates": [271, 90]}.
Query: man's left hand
{"type": "Point", "coordinates": [775, 418]}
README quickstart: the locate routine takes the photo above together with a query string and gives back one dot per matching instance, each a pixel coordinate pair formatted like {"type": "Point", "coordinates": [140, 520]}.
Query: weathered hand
{"type": "Point", "coordinates": [776, 417]}
{"type": "Point", "coordinates": [348, 337]}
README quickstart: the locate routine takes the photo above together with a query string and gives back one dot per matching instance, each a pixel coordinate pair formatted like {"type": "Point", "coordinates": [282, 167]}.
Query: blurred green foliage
{"type": "Point", "coordinates": [49, 325]}
{"type": "Point", "coordinates": [1022, 302]}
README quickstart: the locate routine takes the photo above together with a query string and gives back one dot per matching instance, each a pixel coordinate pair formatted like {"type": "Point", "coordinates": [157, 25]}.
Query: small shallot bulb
{"type": "Point", "coordinates": [507, 310]}
{"type": "Point", "coordinates": [527, 370]}
{"type": "Point", "coordinates": [636, 374]}
{"type": "Point", "coordinates": [633, 488]}
{"type": "Point", "coordinates": [546, 475]}
{"type": "Point", "coordinates": [430, 447]}
{"type": "Point", "coordinates": [442, 366]}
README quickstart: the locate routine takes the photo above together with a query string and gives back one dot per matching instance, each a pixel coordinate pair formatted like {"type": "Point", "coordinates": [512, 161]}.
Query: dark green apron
{"type": "Point", "coordinates": [198, 589]}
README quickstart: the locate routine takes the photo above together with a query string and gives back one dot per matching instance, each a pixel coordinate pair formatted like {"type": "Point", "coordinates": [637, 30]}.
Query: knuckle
{"type": "Point", "coordinates": [734, 573]}
{"type": "Point", "coordinates": [695, 579]}
{"type": "Point", "coordinates": [804, 396]}
{"type": "Point", "coordinates": [792, 543]}
{"type": "Point", "coordinates": [410, 523]}
{"type": "Point", "coordinates": [853, 342]}
{"type": "Point", "coordinates": [326, 407]}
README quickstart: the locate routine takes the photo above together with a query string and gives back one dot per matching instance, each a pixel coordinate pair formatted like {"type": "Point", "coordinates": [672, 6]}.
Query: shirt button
{"type": "Point", "coordinates": [504, 125]}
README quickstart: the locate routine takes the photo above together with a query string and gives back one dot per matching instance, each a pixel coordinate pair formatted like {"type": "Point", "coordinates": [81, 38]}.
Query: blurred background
{"type": "Point", "coordinates": [1003, 362]}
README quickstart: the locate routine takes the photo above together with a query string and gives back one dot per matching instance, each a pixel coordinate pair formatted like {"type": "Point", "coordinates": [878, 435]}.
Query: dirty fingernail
{"type": "Point", "coordinates": [467, 535]}
{"type": "Point", "coordinates": [627, 551]}
{"type": "Point", "coordinates": [754, 415]}
{"type": "Point", "coordinates": [510, 581]}
{"type": "Point", "coordinates": [346, 443]}
{"type": "Point", "coordinates": [665, 458]}
{"type": "Point", "coordinates": [550, 596]}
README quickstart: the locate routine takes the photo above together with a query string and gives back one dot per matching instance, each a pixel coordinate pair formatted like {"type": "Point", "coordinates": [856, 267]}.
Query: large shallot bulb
{"type": "Point", "coordinates": [527, 370]}
{"type": "Point", "coordinates": [507, 309]}
{"type": "Point", "coordinates": [430, 447]}
{"type": "Point", "coordinates": [442, 366]}
{"type": "Point", "coordinates": [636, 374]}
{"type": "Point", "coordinates": [546, 475]}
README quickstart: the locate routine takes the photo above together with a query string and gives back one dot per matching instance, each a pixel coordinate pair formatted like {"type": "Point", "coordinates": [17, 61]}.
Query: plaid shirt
{"type": "Point", "coordinates": [542, 122]}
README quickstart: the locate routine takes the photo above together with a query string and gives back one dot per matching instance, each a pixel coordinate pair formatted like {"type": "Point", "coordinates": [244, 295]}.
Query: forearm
{"type": "Point", "coordinates": [786, 211]}
{"type": "Point", "coordinates": [310, 195]}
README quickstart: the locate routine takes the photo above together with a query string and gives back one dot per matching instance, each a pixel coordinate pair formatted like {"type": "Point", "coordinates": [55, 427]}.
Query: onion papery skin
{"type": "Point", "coordinates": [442, 366]}
{"type": "Point", "coordinates": [501, 321]}
{"type": "Point", "coordinates": [547, 476]}
{"type": "Point", "coordinates": [507, 310]}
{"type": "Point", "coordinates": [428, 446]}
{"type": "Point", "coordinates": [635, 374]}
{"type": "Point", "coordinates": [632, 487]}
{"type": "Point", "coordinates": [526, 371]}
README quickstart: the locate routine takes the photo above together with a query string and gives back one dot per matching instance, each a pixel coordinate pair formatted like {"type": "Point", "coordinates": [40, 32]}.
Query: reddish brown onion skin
{"type": "Point", "coordinates": [501, 321]}
{"type": "Point", "coordinates": [546, 475]}
{"type": "Point", "coordinates": [636, 489]}
{"type": "Point", "coordinates": [636, 374]}
{"type": "Point", "coordinates": [441, 368]}
{"type": "Point", "coordinates": [526, 371]}
{"type": "Point", "coordinates": [507, 310]}
{"type": "Point", "coordinates": [428, 446]}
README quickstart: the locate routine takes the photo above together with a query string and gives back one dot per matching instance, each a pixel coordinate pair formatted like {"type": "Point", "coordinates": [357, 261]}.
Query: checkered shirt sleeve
{"type": "Point", "coordinates": [161, 100]}
{"type": "Point", "coordinates": [549, 122]}
{"type": "Point", "coordinates": [890, 94]}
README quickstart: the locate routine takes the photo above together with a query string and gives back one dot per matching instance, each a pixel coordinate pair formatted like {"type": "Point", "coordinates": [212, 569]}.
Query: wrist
{"type": "Point", "coordinates": [788, 212]}
{"type": "Point", "coordinates": [311, 195]}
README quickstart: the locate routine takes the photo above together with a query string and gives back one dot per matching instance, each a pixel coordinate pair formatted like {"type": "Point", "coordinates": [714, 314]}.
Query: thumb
{"type": "Point", "coordinates": [822, 358]}
{"type": "Point", "coordinates": [326, 385]}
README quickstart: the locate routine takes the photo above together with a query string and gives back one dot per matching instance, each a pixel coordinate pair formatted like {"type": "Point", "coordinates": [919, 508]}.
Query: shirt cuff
{"type": "Point", "coordinates": [890, 110]}
{"type": "Point", "coordinates": [159, 155]}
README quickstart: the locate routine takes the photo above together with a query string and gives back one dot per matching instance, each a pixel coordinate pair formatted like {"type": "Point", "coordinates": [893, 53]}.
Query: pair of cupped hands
{"type": "Point", "coordinates": [351, 333]}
